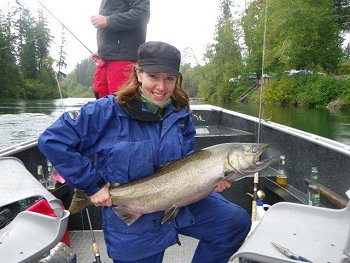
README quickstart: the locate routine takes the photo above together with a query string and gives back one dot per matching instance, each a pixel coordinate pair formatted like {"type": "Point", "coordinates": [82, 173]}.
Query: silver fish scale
{"type": "Point", "coordinates": [180, 183]}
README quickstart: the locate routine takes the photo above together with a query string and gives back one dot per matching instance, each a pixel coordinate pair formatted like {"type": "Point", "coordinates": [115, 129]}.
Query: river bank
{"type": "Point", "coordinates": [24, 120]}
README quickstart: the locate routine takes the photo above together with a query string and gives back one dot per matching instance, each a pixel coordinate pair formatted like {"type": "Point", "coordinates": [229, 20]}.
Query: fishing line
{"type": "Point", "coordinates": [262, 73]}
{"type": "Point", "coordinates": [59, 21]}
{"type": "Point", "coordinates": [256, 175]}
{"type": "Point", "coordinates": [60, 91]}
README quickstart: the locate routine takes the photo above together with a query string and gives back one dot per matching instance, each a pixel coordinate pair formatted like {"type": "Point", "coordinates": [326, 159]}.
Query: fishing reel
{"type": "Point", "coordinates": [260, 194]}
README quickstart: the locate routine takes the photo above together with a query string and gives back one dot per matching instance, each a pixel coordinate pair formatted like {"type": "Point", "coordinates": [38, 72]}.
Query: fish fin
{"type": "Point", "coordinates": [170, 214]}
{"type": "Point", "coordinates": [127, 217]}
{"type": "Point", "coordinates": [79, 201]}
{"type": "Point", "coordinates": [115, 184]}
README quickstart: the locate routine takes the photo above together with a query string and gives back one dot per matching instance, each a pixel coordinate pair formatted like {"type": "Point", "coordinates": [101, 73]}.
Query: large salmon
{"type": "Point", "coordinates": [182, 182]}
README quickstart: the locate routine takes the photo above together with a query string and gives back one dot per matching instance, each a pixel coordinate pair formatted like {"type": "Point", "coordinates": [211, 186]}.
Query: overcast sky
{"type": "Point", "coordinates": [183, 23]}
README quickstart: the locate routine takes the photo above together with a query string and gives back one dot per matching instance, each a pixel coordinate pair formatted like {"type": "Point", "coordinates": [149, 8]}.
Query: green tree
{"type": "Point", "coordinates": [308, 37]}
{"type": "Point", "coordinates": [253, 27]}
{"type": "Point", "coordinates": [342, 11]}
{"type": "Point", "coordinates": [26, 67]}
{"type": "Point", "coordinates": [85, 72]}
{"type": "Point", "coordinates": [42, 38]}
{"type": "Point", "coordinates": [79, 82]}
{"type": "Point", "coordinates": [27, 44]}
{"type": "Point", "coordinates": [191, 78]}
{"type": "Point", "coordinates": [10, 81]}
{"type": "Point", "coordinates": [224, 56]}
{"type": "Point", "coordinates": [61, 63]}
{"type": "Point", "coordinates": [300, 34]}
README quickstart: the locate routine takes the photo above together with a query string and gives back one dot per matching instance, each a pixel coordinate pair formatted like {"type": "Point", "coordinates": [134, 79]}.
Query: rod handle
{"type": "Point", "coordinates": [253, 211]}
{"type": "Point", "coordinates": [95, 248]}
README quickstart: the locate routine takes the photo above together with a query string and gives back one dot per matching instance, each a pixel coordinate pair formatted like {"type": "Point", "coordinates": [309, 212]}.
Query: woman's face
{"type": "Point", "coordinates": [158, 87]}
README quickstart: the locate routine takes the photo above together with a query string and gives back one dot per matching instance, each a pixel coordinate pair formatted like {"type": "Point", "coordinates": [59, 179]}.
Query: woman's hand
{"type": "Point", "coordinates": [221, 186]}
{"type": "Point", "coordinates": [102, 197]}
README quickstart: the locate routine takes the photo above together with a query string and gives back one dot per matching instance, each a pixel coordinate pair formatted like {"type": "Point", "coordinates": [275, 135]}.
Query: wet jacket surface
{"type": "Point", "coordinates": [126, 149]}
{"type": "Point", "coordinates": [126, 28]}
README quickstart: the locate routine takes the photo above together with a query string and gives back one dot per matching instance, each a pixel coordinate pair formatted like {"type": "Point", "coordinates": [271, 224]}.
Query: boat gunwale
{"type": "Point", "coordinates": [317, 139]}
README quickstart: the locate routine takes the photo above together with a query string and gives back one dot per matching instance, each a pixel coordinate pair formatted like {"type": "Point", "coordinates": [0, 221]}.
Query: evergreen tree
{"type": "Point", "coordinates": [61, 63]}
{"type": "Point", "coordinates": [30, 41]}
{"type": "Point", "coordinates": [43, 39]}
{"type": "Point", "coordinates": [224, 57]}
{"type": "Point", "coordinates": [27, 45]}
{"type": "Point", "coordinates": [10, 81]}
{"type": "Point", "coordinates": [79, 82]}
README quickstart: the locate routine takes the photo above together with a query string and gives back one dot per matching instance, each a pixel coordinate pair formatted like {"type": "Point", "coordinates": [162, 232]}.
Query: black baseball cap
{"type": "Point", "coordinates": [159, 57]}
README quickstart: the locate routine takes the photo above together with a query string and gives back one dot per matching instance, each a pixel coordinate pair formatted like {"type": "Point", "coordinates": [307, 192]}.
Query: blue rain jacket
{"type": "Point", "coordinates": [126, 149]}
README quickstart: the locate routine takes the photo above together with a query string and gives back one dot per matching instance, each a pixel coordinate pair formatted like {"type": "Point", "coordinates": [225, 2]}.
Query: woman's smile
{"type": "Point", "coordinates": [158, 87]}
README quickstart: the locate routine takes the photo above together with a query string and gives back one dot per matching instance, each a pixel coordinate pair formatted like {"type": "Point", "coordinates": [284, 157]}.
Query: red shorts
{"type": "Point", "coordinates": [110, 75]}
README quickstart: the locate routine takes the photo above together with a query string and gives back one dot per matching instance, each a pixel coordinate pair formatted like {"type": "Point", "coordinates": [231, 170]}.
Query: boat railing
{"type": "Point", "coordinates": [325, 142]}
{"type": "Point", "coordinates": [9, 151]}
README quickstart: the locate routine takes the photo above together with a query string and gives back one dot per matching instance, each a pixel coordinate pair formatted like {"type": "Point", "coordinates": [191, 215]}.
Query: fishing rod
{"type": "Point", "coordinates": [262, 72]}
{"type": "Point", "coordinates": [94, 244]}
{"type": "Point", "coordinates": [256, 175]}
{"type": "Point", "coordinates": [59, 21]}
{"type": "Point", "coordinates": [255, 196]}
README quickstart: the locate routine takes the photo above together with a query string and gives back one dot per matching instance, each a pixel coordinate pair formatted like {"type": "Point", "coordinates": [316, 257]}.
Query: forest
{"type": "Point", "coordinates": [26, 67]}
{"type": "Point", "coordinates": [295, 48]}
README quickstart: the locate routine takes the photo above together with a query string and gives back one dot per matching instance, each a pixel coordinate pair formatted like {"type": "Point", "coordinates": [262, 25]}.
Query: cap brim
{"type": "Point", "coordinates": [160, 69]}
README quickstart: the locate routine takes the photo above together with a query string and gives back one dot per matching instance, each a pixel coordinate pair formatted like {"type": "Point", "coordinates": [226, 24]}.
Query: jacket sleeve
{"type": "Point", "coordinates": [138, 15]}
{"type": "Point", "coordinates": [67, 143]}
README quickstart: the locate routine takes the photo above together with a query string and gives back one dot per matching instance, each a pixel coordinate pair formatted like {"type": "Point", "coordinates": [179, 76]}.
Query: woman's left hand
{"type": "Point", "coordinates": [221, 186]}
{"type": "Point", "coordinates": [102, 197]}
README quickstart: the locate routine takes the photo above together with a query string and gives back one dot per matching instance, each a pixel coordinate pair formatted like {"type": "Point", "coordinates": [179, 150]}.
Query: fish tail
{"type": "Point", "coordinates": [79, 202]}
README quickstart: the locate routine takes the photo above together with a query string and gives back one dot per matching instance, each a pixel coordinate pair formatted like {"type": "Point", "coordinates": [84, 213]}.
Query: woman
{"type": "Point", "coordinates": [146, 125]}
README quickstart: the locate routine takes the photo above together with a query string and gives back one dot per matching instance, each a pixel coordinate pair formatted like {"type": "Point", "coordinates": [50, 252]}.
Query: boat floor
{"type": "Point", "coordinates": [82, 245]}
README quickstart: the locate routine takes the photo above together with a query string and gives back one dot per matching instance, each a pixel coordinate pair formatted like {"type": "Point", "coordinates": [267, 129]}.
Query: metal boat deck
{"type": "Point", "coordinates": [82, 245]}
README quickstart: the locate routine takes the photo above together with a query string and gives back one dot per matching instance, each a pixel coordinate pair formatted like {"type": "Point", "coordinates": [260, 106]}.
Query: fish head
{"type": "Point", "coordinates": [243, 159]}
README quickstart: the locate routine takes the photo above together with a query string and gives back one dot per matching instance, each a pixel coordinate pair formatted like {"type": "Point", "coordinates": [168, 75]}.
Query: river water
{"type": "Point", "coordinates": [21, 121]}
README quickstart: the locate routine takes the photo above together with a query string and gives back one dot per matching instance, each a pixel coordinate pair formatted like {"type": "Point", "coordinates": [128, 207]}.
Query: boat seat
{"type": "Point", "coordinates": [30, 235]}
{"type": "Point", "coordinates": [315, 233]}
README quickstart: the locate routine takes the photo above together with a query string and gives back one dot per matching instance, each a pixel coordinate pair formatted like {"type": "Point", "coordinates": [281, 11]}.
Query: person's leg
{"type": "Point", "coordinates": [157, 258]}
{"type": "Point", "coordinates": [100, 84]}
{"type": "Point", "coordinates": [118, 73]}
{"type": "Point", "coordinates": [220, 226]}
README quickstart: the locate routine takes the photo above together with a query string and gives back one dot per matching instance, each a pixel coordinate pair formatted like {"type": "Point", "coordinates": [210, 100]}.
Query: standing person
{"type": "Point", "coordinates": [146, 125]}
{"type": "Point", "coordinates": [121, 29]}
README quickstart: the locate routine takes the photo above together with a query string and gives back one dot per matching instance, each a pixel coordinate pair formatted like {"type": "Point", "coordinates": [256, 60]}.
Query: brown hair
{"type": "Point", "coordinates": [129, 91]}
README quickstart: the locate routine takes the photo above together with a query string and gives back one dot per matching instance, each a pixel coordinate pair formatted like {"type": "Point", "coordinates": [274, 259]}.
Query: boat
{"type": "Point", "coordinates": [76, 234]}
